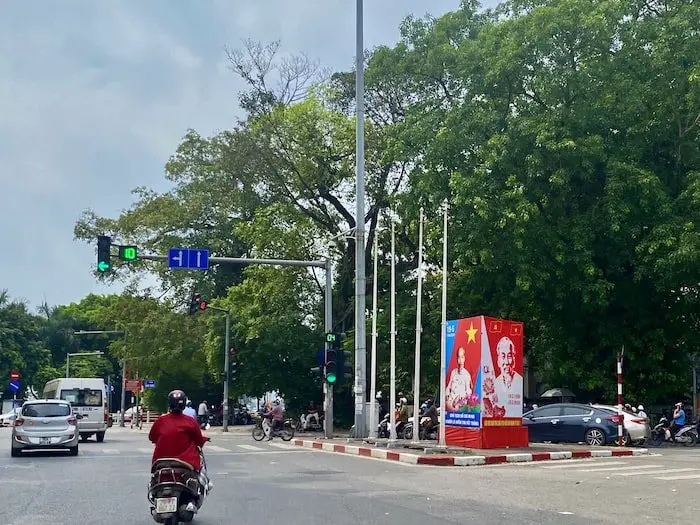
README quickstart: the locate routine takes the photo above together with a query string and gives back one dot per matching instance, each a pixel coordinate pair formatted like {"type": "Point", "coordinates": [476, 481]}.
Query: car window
{"type": "Point", "coordinates": [46, 410]}
{"type": "Point", "coordinates": [550, 411]}
{"type": "Point", "coordinates": [82, 397]}
{"type": "Point", "coordinates": [576, 411]}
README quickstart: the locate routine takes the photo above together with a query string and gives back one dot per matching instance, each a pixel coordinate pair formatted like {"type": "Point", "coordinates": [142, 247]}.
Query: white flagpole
{"type": "Point", "coordinates": [443, 335]}
{"type": "Point", "coordinates": [373, 385]}
{"type": "Point", "coordinates": [392, 389]}
{"type": "Point", "coordinates": [419, 329]}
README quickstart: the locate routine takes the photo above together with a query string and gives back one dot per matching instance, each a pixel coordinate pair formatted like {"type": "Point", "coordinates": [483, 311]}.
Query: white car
{"type": "Point", "coordinates": [637, 429]}
{"type": "Point", "coordinates": [8, 420]}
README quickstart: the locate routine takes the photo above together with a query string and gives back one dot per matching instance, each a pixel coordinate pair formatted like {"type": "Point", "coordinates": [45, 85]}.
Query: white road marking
{"type": "Point", "coordinates": [214, 448]}
{"type": "Point", "coordinates": [250, 447]}
{"type": "Point", "coordinates": [110, 451]}
{"type": "Point", "coordinates": [675, 478]}
{"type": "Point", "coordinates": [613, 469]}
{"type": "Point", "coordinates": [284, 446]}
{"type": "Point", "coordinates": [579, 465]}
{"type": "Point", "coordinates": [652, 472]}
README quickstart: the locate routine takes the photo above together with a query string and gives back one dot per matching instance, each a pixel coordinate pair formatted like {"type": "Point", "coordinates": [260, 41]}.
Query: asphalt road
{"type": "Point", "coordinates": [265, 482]}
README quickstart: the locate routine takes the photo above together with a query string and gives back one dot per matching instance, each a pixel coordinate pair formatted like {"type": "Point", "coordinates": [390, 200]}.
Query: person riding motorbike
{"type": "Point", "coordinates": [178, 436]}
{"type": "Point", "coordinates": [276, 416]}
{"type": "Point", "coordinates": [678, 420]}
{"type": "Point", "coordinates": [403, 415]}
{"type": "Point", "coordinates": [432, 413]}
{"type": "Point", "coordinates": [189, 411]}
{"type": "Point", "coordinates": [311, 413]}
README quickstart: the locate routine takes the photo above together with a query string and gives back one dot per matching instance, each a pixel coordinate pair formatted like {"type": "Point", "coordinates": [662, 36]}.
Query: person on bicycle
{"type": "Point", "coordinates": [276, 417]}
{"type": "Point", "coordinates": [178, 436]}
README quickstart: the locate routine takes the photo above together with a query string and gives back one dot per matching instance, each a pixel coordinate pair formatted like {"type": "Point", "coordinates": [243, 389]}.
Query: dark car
{"type": "Point", "coordinates": [572, 423]}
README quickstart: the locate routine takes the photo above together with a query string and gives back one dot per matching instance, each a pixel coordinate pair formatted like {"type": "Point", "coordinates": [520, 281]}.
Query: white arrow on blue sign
{"type": "Point", "coordinates": [14, 385]}
{"type": "Point", "coordinates": [188, 259]}
{"type": "Point", "coordinates": [149, 383]}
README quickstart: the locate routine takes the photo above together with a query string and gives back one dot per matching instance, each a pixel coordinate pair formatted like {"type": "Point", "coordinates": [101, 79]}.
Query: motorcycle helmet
{"type": "Point", "coordinates": [177, 401]}
{"type": "Point", "coordinates": [404, 401]}
{"type": "Point", "coordinates": [429, 402]}
{"type": "Point", "coordinates": [189, 403]}
{"type": "Point", "coordinates": [640, 407]}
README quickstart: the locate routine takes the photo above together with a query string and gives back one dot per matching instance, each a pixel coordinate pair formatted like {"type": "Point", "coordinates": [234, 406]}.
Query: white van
{"type": "Point", "coordinates": [88, 397]}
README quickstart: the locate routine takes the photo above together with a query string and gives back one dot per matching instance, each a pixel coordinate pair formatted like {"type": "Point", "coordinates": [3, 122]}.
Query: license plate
{"type": "Point", "coordinates": [166, 505]}
{"type": "Point", "coordinates": [44, 441]}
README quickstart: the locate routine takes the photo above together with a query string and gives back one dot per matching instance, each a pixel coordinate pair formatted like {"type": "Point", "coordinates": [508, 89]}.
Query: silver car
{"type": "Point", "coordinates": [637, 429]}
{"type": "Point", "coordinates": [45, 424]}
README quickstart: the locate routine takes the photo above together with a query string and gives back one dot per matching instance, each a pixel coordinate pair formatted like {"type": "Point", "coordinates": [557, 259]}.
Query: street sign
{"type": "Point", "coordinates": [15, 375]}
{"type": "Point", "coordinates": [133, 384]}
{"type": "Point", "coordinates": [188, 259]}
{"type": "Point", "coordinates": [14, 385]}
{"type": "Point", "coordinates": [149, 383]}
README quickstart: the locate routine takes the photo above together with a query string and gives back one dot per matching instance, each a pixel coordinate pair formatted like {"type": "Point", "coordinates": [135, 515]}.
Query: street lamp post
{"type": "Point", "coordinates": [68, 356]}
{"type": "Point", "coordinates": [227, 363]}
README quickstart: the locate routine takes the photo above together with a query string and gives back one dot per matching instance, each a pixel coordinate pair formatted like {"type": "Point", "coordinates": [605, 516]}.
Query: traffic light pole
{"type": "Point", "coordinates": [227, 363]}
{"type": "Point", "coordinates": [328, 317]}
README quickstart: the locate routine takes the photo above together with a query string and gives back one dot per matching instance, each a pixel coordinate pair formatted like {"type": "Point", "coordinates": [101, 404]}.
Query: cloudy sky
{"type": "Point", "coordinates": [95, 95]}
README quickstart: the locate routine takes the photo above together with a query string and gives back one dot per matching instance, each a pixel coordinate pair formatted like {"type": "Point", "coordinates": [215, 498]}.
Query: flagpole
{"type": "Point", "coordinates": [392, 386]}
{"type": "Point", "coordinates": [443, 335]}
{"type": "Point", "coordinates": [419, 329]}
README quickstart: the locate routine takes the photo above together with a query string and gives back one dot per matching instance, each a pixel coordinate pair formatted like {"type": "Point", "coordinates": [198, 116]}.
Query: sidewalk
{"type": "Point", "coordinates": [429, 454]}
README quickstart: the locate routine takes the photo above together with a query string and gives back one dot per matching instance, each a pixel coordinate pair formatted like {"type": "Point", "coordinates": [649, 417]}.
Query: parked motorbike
{"type": "Point", "coordinates": [687, 435]}
{"type": "Point", "coordinates": [315, 425]}
{"type": "Point", "coordinates": [287, 432]}
{"type": "Point", "coordinates": [176, 491]}
{"type": "Point", "coordinates": [426, 432]}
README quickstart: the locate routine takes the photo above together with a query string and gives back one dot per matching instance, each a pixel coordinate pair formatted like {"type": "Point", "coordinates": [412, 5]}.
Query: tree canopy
{"type": "Point", "coordinates": [565, 135]}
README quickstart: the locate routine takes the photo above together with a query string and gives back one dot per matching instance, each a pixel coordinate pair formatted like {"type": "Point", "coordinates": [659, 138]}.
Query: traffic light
{"type": "Point", "coordinates": [128, 253]}
{"type": "Point", "coordinates": [104, 246]}
{"type": "Point", "coordinates": [332, 349]}
{"type": "Point", "coordinates": [344, 366]}
{"type": "Point", "coordinates": [197, 304]}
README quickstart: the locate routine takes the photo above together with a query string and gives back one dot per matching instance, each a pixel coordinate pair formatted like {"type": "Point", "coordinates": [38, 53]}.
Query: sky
{"type": "Point", "coordinates": [95, 96]}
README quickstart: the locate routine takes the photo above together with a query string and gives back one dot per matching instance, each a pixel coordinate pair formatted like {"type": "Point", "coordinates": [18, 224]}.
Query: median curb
{"type": "Point", "coordinates": [462, 461]}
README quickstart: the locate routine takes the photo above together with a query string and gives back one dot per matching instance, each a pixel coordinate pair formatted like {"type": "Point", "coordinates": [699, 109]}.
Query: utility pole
{"type": "Point", "coordinates": [360, 279]}
{"type": "Point", "coordinates": [227, 363]}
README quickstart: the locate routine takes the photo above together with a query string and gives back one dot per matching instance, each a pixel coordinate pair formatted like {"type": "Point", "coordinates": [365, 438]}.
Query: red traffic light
{"type": "Point", "coordinates": [202, 304]}
{"type": "Point", "coordinates": [232, 351]}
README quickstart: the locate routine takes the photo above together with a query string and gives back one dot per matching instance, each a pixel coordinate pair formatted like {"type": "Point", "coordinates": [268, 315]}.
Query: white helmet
{"type": "Point", "coordinates": [404, 400]}
{"type": "Point", "coordinates": [640, 407]}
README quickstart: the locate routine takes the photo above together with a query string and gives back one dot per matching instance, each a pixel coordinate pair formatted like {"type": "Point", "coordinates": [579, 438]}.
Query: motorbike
{"type": "Point", "coordinates": [287, 432]}
{"type": "Point", "coordinates": [315, 426]}
{"type": "Point", "coordinates": [384, 430]}
{"type": "Point", "coordinates": [426, 432]}
{"type": "Point", "coordinates": [175, 492]}
{"type": "Point", "coordinates": [687, 435]}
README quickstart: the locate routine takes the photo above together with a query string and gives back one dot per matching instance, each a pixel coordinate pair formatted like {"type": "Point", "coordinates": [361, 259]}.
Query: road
{"type": "Point", "coordinates": [263, 482]}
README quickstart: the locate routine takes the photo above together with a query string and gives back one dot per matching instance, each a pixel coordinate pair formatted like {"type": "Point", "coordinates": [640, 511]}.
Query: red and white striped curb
{"type": "Point", "coordinates": [463, 461]}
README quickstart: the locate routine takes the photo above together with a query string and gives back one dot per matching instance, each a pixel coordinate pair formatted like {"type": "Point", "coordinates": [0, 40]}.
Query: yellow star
{"type": "Point", "coordinates": [471, 333]}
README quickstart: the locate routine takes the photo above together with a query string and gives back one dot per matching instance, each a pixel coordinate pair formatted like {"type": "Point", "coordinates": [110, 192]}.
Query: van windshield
{"type": "Point", "coordinates": [82, 397]}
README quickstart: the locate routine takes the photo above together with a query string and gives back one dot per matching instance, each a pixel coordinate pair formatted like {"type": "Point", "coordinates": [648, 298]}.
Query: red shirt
{"type": "Point", "coordinates": [177, 436]}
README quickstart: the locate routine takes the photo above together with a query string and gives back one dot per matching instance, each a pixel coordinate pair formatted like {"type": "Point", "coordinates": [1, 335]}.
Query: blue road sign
{"type": "Point", "coordinates": [177, 257]}
{"type": "Point", "coordinates": [188, 259]}
{"type": "Point", "coordinates": [199, 259]}
{"type": "Point", "coordinates": [14, 385]}
{"type": "Point", "coordinates": [149, 383]}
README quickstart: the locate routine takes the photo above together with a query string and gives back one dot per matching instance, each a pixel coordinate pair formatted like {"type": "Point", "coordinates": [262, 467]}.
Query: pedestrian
{"type": "Point", "coordinates": [203, 411]}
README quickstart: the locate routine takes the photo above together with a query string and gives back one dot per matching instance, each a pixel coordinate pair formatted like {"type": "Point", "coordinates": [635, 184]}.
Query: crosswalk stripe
{"type": "Point", "coordinates": [283, 446]}
{"type": "Point", "coordinates": [655, 472]}
{"type": "Point", "coordinates": [675, 478]}
{"type": "Point", "coordinates": [110, 451]}
{"type": "Point", "coordinates": [612, 469]}
{"type": "Point", "coordinates": [584, 464]}
{"type": "Point", "coordinates": [146, 450]}
{"type": "Point", "coordinates": [250, 447]}
{"type": "Point", "coordinates": [215, 448]}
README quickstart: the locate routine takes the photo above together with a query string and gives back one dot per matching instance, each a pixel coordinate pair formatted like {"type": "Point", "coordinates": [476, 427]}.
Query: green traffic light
{"type": "Point", "coordinates": [103, 266]}
{"type": "Point", "coordinates": [330, 377]}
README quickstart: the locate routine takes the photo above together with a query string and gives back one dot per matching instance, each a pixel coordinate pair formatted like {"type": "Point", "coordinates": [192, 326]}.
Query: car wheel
{"type": "Point", "coordinates": [100, 437]}
{"type": "Point", "coordinates": [595, 437]}
{"type": "Point", "coordinates": [15, 452]}
{"type": "Point", "coordinates": [73, 451]}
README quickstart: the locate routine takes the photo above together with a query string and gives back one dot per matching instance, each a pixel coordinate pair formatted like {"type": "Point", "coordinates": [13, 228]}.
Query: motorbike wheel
{"type": "Point", "coordinates": [408, 432]}
{"type": "Point", "coordinates": [656, 439]}
{"type": "Point", "coordinates": [691, 439]}
{"type": "Point", "coordinates": [258, 433]}
{"type": "Point", "coordinates": [287, 433]}
{"type": "Point", "coordinates": [172, 521]}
